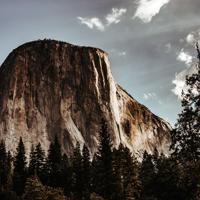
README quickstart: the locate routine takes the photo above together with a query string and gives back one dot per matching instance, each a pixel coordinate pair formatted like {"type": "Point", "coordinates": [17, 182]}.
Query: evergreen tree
{"type": "Point", "coordinates": [19, 174]}
{"type": "Point", "coordinates": [32, 163]}
{"type": "Point", "coordinates": [186, 137]}
{"type": "Point", "coordinates": [34, 190]}
{"type": "Point", "coordinates": [37, 161]}
{"type": "Point", "coordinates": [9, 163]}
{"type": "Point", "coordinates": [67, 175]}
{"type": "Point", "coordinates": [40, 161]}
{"type": "Point", "coordinates": [3, 171]}
{"type": "Point", "coordinates": [126, 173]}
{"type": "Point", "coordinates": [5, 168]}
{"type": "Point", "coordinates": [167, 179]}
{"type": "Point", "coordinates": [131, 181]}
{"type": "Point", "coordinates": [104, 178]}
{"type": "Point", "coordinates": [77, 177]}
{"type": "Point", "coordinates": [86, 173]}
{"type": "Point", "coordinates": [54, 164]}
{"type": "Point", "coordinates": [147, 177]}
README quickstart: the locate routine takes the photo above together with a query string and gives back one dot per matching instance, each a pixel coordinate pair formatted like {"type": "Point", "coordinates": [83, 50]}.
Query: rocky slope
{"type": "Point", "coordinates": [50, 88]}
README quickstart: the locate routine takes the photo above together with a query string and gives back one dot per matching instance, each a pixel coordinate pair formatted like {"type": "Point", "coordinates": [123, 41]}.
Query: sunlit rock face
{"type": "Point", "coordinates": [50, 88]}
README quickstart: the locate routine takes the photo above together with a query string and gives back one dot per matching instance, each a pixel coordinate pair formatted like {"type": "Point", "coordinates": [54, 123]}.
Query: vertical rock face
{"type": "Point", "coordinates": [50, 88]}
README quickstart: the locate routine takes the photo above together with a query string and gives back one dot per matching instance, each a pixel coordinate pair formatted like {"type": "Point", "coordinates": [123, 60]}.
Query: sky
{"type": "Point", "coordinates": [150, 42]}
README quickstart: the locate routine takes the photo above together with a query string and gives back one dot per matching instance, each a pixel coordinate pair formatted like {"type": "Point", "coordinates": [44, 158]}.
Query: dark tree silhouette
{"type": "Point", "coordinates": [104, 178]}
{"type": "Point", "coordinates": [186, 137]}
{"type": "Point", "coordinates": [54, 164]}
{"type": "Point", "coordinates": [77, 181]}
{"type": "Point", "coordinates": [86, 173]}
{"type": "Point", "coordinates": [20, 172]}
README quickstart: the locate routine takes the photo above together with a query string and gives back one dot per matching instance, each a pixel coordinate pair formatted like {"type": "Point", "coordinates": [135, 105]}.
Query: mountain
{"type": "Point", "coordinates": [50, 88]}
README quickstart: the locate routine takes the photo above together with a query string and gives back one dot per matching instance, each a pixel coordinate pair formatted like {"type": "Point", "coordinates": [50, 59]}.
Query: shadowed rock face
{"type": "Point", "coordinates": [50, 88]}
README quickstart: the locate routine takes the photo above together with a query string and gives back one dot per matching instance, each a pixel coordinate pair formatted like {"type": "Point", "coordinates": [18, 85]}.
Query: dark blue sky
{"type": "Point", "coordinates": [148, 41]}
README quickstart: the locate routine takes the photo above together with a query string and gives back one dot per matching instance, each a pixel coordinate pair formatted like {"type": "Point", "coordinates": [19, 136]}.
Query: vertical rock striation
{"type": "Point", "coordinates": [50, 88]}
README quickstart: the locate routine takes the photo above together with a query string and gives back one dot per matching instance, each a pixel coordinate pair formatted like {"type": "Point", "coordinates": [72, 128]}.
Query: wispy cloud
{"type": "Point", "coordinates": [152, 96]}
{"type": "Point", "coordinates": [190, 38]}
{"type": "Point", "coordinates": [184, 57]}
{"type": "Point", "coordinates": [168, 47]}
{"type": "Point", "coordinates": [147, 9]}
{"type": "Point", "coordinates": [114, 17]}
{"type": "Point", "coordinates": [92, 23]}
{"type": "Point", "coordinates": [193, 37]}
{"type": "Point", "coordinates": [118, 52]}
{"type": "Point", "coordinates": [180, 78]}
{"type": "Point", "coordinates": [149, 95]}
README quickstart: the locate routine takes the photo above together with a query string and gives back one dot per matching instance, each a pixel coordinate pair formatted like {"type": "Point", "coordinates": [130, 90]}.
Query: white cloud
{"type": "Point", "coordinates": [115, 15]}
{"type": "Point", "coordinates": [184, 57]}
{"type": "Point", "coordinates": [190, 39]}
{"type": "Point", "coordinates": [179, 80]}
{"type": "Point", "coordinates": [168, 47]}
{"type": "Point", "coordinates": [123, 53]}
{"type": "Point", "coordinates": [118, 53]}
{"type": "Point", "coordinates": [152, 96]}
{"type": "Point", "coordinates": [147, 9]}
{"type": "Point", "coordinates": [92, 23]}
{"type": "Point", "coordinates": [193, 37]}
{"type": "Point", "coordinates": [112, 18]}
{"type": "Point", "coordinates": [149, 95]}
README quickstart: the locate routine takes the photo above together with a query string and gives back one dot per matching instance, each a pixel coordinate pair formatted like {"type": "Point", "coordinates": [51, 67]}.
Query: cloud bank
{"type": "Point", "coordinates": [179, 80]}
{"type": "Point", "coordinates": [185, 57]}
{"type": "Point", "coordinates": [92, 23]}
{"type": "Point", "coordinates": [147, 9]}
{"type": "Point", "coordinates": [114, 17]}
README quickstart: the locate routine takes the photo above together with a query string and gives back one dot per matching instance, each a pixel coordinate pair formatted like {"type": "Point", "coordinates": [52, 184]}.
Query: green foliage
{"type": "Point", "coordinates": [77, 174]}
{"type": "Point", "coordinates": [5, 168]}
{"type": "Point", "coordinates": [104, 177]}
{"type": "Point", "coordinates": [95, 196]}
{"type": "Point", "coordinates": [67, 175]}
{"type": "Point", "coordinates": [34, 190]}
{"type": "Point", "coordinates": [186, 137]}
{"type": "Point", "coordinates": [86, 173]}
{"type": "Point", "coordinates": [126, 170]}
{"type": "Point", "coordinates": [20, 172]}
{"type": "Point", "coordinates": [54, 164]}
{"type": "Point", "coordinates": [147, 177]}
{"type": "Point", "coordinates": [37, 162]}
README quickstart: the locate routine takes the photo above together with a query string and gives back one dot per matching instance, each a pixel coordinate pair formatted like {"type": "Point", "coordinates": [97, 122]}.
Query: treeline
{"type": "Point", "coordinates": [113, 174]}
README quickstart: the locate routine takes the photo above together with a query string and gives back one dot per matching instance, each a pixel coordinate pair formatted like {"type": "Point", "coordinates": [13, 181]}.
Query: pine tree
{"type": "Point", "coordinates": [77, 177]}
{"type": "Point", "coordinates": [34, 190]}
{"type": "Point", "coordinates": [4, 167]}
{"type": "Point", "coordinates": [32, 163]}
{"type": "Point", "coordinates": [186, 137]}
{"type": "Point", "coordinates": [104, 178]}
{"type": "Point", "coordinates": [132, 185]}
{"type": "Point", "coordinates": [9, 167]}
{"type": "Point", "coordinates": [37, 161]}
{"type": "Point", "coordinates": [86, 173]}
{"type": "Point", "coordinates": [67, 175]}
{"type": "Point", "coordinates": [147, 177]}
{"type": "Point", "coordinates": [54, 164]}
{"type": "Point", "coordinates": [167, 179]}
{"type": "Point", "coordinates": [19, 174]}
{"type": "Point", "coordinates": [40, 161]}
{"type": "Point", "coordinates": [126, 172]}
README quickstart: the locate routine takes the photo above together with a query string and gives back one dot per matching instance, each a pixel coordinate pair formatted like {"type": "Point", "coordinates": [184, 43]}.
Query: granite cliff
{"type": "Point", "coordinates": [50, 88]}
